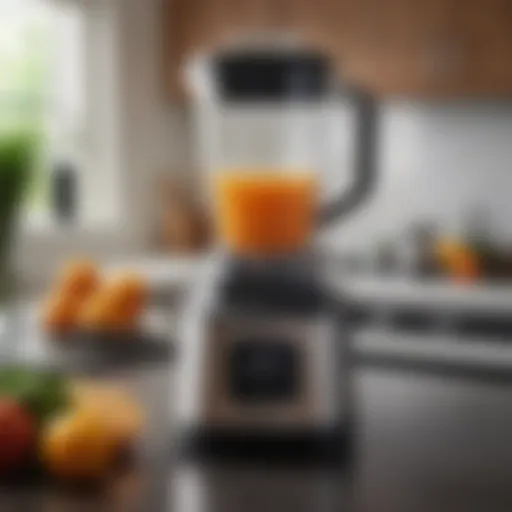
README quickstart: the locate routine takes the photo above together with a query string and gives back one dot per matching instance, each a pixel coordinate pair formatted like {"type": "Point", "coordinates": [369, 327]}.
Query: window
{"type": "Point", "coordinates": [57, 77]}
{"type": "Point", "coordinates": [42, 83]}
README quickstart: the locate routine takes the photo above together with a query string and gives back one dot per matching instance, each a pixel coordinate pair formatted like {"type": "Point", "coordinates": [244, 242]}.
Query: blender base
{"type": "Point", "coordinates": [331, 446]}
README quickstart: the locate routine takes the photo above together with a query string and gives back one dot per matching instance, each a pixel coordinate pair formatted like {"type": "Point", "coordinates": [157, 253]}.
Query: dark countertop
{"type": "Point", "coordinates": [425, 442]}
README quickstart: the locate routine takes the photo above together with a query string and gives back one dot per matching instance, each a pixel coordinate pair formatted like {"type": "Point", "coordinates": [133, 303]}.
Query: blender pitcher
{"type": "Point", "coordinates": [266, 130]}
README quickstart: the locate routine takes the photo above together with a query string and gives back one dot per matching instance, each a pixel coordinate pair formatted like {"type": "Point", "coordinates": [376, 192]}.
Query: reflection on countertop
{"type": "Point", "coordinates": [226, 489]}
{"type": "Point", "coordinates": [423, 443]}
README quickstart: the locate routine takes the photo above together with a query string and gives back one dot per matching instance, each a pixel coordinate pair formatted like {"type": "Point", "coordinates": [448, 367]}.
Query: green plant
{"type": "Point", "coordinates": [44, 393]}
{"type": "Point", "coordinates": [17, 155]}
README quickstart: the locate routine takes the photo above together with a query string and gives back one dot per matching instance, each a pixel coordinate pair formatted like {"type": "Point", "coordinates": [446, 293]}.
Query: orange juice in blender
{"type": "Point", "coordinates": [265, 211]}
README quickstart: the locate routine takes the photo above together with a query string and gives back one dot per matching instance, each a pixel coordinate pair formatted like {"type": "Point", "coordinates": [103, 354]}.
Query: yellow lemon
{"type": "Point", "coordinates": [116, 406]}
{"type": "Point", "coordinates": [79, 445]}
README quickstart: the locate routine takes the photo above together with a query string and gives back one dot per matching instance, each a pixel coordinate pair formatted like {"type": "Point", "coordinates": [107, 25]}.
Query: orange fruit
{"type": "Point", "coordinates": [60, 312]}
{"type": "Point", "coordinates": [117, 305]}
{"type": "Point", "coordinates": [77, 282]}
{"type": "Point", "coordinates": [79, 278]}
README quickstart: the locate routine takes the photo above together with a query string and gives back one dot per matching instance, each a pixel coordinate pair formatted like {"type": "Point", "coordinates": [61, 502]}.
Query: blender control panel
{"type": "Point", "coordinates": [272, 372]}
{"type": "Point", "coordinates": [262, 370]}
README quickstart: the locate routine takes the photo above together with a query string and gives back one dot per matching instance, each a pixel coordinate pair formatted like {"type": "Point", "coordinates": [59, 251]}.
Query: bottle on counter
{"type": "Point", "coordinates": [64, 191]}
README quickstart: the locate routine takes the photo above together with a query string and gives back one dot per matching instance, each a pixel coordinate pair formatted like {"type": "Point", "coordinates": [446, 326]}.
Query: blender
{"type": "Point", "coordinates": [264, 364]}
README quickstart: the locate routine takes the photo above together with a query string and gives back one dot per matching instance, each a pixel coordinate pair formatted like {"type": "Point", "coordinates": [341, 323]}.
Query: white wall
{"type": "Point", "coordinates": [154, 134]}
{"type": "Point", "coordinates": [437, 162]}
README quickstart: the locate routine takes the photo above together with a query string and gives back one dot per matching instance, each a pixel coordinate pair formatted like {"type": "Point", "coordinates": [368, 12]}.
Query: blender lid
{"type": "Point", "coordinates": [266, 72]}
{"type": "Point", "coordinates": [269, 76]}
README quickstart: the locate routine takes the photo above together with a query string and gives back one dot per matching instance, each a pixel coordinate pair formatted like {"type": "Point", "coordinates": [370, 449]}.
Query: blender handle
{"type": "Point", "coordinates": [365, 158]}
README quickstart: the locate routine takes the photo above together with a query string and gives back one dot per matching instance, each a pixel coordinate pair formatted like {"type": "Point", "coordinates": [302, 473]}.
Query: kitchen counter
{"type": "Point", "coordinates": [424, 442]}
{"type": "Point", "coordinates": [435, 294]}
{"type": "Point", "coordinates": [170, 276]}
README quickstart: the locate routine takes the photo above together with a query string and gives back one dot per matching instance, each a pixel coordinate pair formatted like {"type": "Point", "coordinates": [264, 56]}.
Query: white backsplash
{"type": "Point", "coordinates": [437, 162]}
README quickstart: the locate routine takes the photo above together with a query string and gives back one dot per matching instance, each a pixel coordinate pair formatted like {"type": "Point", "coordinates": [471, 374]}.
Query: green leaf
{"type": "Point", "coordinates": [17, 157]}
{"type": "Point", "coordinates": [43, 393]}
